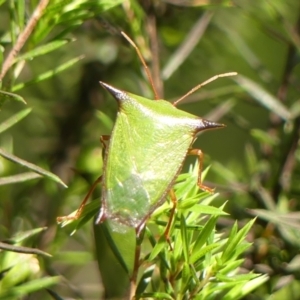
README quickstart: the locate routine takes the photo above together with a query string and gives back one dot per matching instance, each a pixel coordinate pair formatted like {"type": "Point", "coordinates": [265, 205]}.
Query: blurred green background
{"type": "Point", "coordinates": [254, 160]}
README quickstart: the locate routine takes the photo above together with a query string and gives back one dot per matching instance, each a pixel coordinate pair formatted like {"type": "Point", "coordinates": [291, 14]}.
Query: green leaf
{"type": "Point", "coordinates": [21, 236]}
{"type": "Point", "coordinates": [8, 95]}
{"type": "Point", "coordinates": [230, 244]}
{"type": "Point", "coordinates": [230, 266]}
{"type": "Point", "coordinates": [242, 289]}
{"type": "Point", "coordinates": [234, 240]}
{"type": "Point", "coordinates": [121, 245]}
{"type": "Point", "coordinates": [19, 178]}
{"type": "Point", "coordinates": [208, 210]}
{"type": "Point", "coordinates": [115, 255]}
{"type": "Point", "coordinates": [185, 243]}
{"type": "Point", "coordinates": [263, 97]}
{"type": "Point", "coordinates": [194, 200]}
{"type": "Point", "coordinates": [48, 74]}
{"type": "Point", "coordinates": [31, 166]}
{"type": "Point", "coordinates": [29, 287]}
{"type": "Point", "coordinates": [145, 280]}
{"type": "Point", "coordinates": [251, 158]}
{"type": "Point", "coordinates": [20, 5]}
{"type": "Point", "coordinates": [186, 277]}
{"type": "Point", "coordinates": [265, 137]}
{"type": "Point", "coordinates": [204, 250]}
{"type": "Point", "coordinates": [14, 119]}
{"type": "Point", "coordinates": [204, 235]}
{"type": "Point", "coordinates": [236, 278]}
{"type": "Point", "coordinates": [159, 247]}
{"type": "Point", "coordinates": [278, 218]}
{"type": "Point", "coordinates": [41, 50]}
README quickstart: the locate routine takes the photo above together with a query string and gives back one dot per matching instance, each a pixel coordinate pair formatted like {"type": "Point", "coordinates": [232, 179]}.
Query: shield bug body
{"type": "Point", "coordinates": [145, 154]}
{"type": "Point", "coordinates": [146, 150]}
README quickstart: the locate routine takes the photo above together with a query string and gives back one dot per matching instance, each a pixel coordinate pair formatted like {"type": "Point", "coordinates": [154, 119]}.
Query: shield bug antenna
{"type": "Point", "coordinates": [199, 86]}
{"type": "Point", "coordinates": [143, 63]}
{"type": "Point", "coordinates": [193, 90]}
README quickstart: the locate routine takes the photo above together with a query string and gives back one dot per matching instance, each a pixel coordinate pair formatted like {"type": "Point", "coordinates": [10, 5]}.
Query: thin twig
{"type": "Point", "coordinates": [22, 249]}
{"type": "Point", "coordinates": [133, 279]}
{"type": "Point", "coordinates": [152, 33]}
{"type": "Point", "coordinates": [23, 37]}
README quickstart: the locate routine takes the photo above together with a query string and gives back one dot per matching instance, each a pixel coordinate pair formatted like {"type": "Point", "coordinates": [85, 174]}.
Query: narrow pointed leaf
{"type": "Point", "coordinates": [7, 95]}
{"type": "Point", "coordinates": [19, 178]}
{"type": "Point", "coordinates": [264, 137]}
{"type": "Point", "coordinates": [23, 235]}
{"type": "Point", "coordinates": [263, 97]}
{"type": "Point", "coordinates": [14, 119]}
{"type": "Point", "coordinates": [185, 245]}
{"type": "Point", "coordinates": [31, 166]}
{"type": "Point", "coordinates": [208, 210]}
{"type": "Point", "coordinates": [48, 74]}
{"type": "Point", "coordinates": [204, 235]}
{"type": "Point", "coordinates": [160, 245]}
{"type": "Point", "coordinates": [242, 289]}
{"type": "Point", "coordinates": [234, 240]}
{"type": "Point", "coordinates": [29, 287]}
{"type": "Point", "coordinates": [236, 278]}
{"type": "Point", "coordinates": [21, 13]}
{"type": "Point", "coordinates": [145, 280]}
{"type": "Point", "coordinates": [199, 254]}
{"type": "Point", "coordinates": [43, 49]}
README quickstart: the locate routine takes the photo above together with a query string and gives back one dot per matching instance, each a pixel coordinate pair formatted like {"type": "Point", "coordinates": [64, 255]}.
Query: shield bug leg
{"type": "Point", "coordinates": [101, 216]}
{"type": "Point", "coordinates": [80, 209]}
{"type": "Point", "coordinates": [103, 139]}
{"type": "Point", "coordinates": [199, 153]}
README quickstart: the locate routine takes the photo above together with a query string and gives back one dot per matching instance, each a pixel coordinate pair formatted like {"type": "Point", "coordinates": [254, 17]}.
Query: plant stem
{"type": "Point", "coordinates": [23, 37]}
{"type": "Point", "coordinates": [133, 279]}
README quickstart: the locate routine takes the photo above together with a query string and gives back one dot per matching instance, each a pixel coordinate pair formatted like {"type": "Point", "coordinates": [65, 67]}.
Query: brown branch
{"type": "Point", "coordinates": [23, 37]}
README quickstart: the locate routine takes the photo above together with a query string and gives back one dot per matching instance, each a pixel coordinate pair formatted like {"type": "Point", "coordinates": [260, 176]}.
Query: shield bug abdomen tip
{"type": "Point", "coordinates": [206, 124]}
{"type": "Point", "coordinates": [199, 124]}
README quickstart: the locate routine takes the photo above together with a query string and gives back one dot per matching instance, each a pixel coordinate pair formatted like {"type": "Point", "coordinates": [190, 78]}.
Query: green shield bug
{"type": "Point", "coordinates": [145, 153]}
